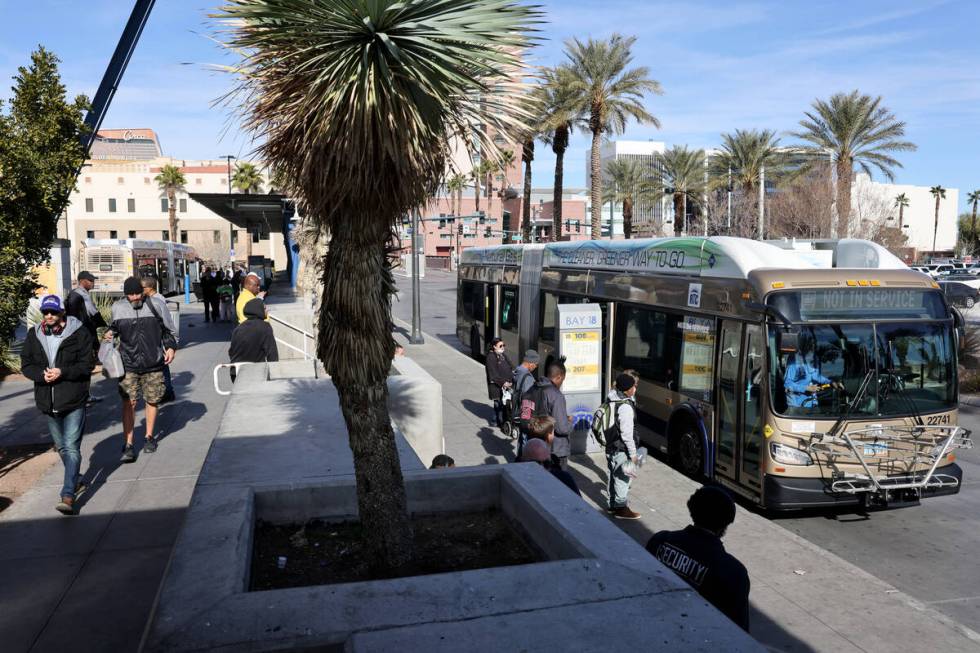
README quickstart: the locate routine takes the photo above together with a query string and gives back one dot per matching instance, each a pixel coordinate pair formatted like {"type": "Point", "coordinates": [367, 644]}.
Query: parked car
{"type": "Point", "coordinates": [937, 270]}
{"type": "Point", "coordinates": [960, 294]}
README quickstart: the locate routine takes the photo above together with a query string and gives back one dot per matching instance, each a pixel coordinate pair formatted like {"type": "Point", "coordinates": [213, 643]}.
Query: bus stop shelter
{"type": "Point", "coordinates": [258, 213]}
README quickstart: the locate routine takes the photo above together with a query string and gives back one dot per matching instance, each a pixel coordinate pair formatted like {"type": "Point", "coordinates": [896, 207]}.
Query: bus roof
{"type": "Point", "coordinates": [717, 256]}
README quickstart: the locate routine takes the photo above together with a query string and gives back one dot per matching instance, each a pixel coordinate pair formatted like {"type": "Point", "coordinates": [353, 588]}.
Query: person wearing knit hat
{"type": "Point", "coordinates": [621, 445]}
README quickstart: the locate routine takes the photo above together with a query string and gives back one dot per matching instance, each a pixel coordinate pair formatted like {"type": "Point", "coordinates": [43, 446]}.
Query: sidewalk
{"type": "Point", "coordinates": [804, 598]}
{"type": "Point", "coordinates": [86, 583]}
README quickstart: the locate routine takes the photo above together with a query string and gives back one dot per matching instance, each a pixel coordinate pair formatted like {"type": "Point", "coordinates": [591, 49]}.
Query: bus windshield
{"type": "Point", "coordinates": [911, 366]}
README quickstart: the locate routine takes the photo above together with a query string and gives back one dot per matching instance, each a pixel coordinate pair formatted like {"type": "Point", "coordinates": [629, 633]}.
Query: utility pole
{"type": "Point", "coordinates": [416, 338]}
{"type": "Point", "coordinates": [762, 202]}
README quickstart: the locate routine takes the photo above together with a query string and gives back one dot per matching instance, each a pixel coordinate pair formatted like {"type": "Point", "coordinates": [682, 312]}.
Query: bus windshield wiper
{"type": "Point", "coordinates": [897, 383]}
{"type": "Point", "coordinates": [858, 397]}
{"type": "Point", "coordinates": [770, 311]}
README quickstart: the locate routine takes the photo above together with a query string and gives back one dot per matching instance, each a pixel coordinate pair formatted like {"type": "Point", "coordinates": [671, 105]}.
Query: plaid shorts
{"type": "Point", "coordinates": [150, 385]}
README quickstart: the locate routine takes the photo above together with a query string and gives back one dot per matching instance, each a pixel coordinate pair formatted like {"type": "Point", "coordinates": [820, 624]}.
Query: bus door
{"type": "Point", "coordinates": [509, 323]}
{"type": "Point", "coordinates": [740, 392]}
{"type": "Point", "coordinates": [490, 314]}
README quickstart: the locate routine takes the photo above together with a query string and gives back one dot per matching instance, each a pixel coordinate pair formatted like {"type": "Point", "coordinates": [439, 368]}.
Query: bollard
{"type": "Point", "coordinates": [187, 288]}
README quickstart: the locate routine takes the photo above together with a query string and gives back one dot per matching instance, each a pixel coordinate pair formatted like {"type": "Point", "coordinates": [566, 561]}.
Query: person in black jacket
{"type": "Point", "coordinates": [252, 341]}
{"type": "Point", "coordinates": [697, 555]}
{"type": "Point", "coordinates": [80, 306]}
{"type": "Point", "coordinates": [209, 290]}
{"type": "Point", "coordinates": [500, 375]}
{"type": "Point", "coordinates": [146, 345]}
{"type": "Point", "coordinates": [57, 356]}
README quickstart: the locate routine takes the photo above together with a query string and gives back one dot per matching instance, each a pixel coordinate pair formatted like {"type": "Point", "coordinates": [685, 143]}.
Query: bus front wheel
{"type": "Point", "coordinates": [688, 451]}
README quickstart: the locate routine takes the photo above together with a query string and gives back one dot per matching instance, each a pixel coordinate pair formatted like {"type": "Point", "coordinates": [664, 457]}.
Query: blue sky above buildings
{"type": "Point", "coordinates": [723, 65]}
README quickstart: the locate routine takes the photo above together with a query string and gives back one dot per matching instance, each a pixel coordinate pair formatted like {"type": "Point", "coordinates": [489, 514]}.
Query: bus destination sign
{"type": "Point", "coordinates": [828, 302]}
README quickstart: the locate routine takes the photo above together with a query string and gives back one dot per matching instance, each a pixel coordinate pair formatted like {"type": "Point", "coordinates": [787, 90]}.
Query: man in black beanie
{"type": "Point", "coordinates": [621, 445]}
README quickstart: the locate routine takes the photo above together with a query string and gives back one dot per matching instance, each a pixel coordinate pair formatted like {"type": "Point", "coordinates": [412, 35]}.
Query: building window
{"type": "Point", "coordinates": [90, 234]}
{"type": "Point", "coordinates": [89, 205]}
{"type": "Point", "coordinates": [216, 235]}
{"type": "Point", "coordinates": [183, 236]}
{"type": "Point", "coordinates": [163, 205]}
{"type": "Point", "coordinates": [132, 233]}
{"type": "Point", "coordinates": [255, 235]}
{"type": "Point", "coordinates": [131, 205]}
{"type": "Point", "coordinates": [113, 234]}
{"type": "Point", "coordinates": [112, 205]}
{"type": "Point", "coordinates": [165, 235]}
{"type": "Point", "coordinates": [183, 205]}
{"type": "Point", "coordinates": [120, 180]}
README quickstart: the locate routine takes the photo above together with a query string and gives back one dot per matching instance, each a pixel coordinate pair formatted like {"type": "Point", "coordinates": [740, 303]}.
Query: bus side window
{"type": "Point", "coordinates": [648, 341]}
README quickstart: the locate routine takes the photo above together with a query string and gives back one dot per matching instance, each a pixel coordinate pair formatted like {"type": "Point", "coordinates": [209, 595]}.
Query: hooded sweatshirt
{"type": "Point", "coordinates": [252, 341]}
{"type": "Point", "coordinates": [626, 416]}
{"type": "Point", "coordinates": [71, 352]}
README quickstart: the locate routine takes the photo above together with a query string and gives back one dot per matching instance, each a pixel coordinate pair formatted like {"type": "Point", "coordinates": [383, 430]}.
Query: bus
{"type": "Point", "coordinates": [796, 374]}
{"type": "Point", "coordinates": [114, 260]}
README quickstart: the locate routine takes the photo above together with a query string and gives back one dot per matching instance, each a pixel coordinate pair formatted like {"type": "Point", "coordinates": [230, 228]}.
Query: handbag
{"type": "Point", "coordinates": [112, 364]}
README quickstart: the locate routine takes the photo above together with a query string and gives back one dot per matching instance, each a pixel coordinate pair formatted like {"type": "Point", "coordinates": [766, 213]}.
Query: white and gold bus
{"type": "Point", "coordinates": [798, 374]}
{"type": "Point", "coordinates": [114, 260]}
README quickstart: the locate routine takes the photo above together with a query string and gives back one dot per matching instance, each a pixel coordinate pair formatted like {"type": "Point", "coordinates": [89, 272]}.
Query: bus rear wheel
{"type": "Point", "coordinates": [688, 452]}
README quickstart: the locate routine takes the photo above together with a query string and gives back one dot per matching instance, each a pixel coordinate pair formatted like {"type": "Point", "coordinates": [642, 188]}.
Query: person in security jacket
{"type": "Point", "coordinates": [252, 341]}
{"type": "Point", "coordinates": [57, 357]}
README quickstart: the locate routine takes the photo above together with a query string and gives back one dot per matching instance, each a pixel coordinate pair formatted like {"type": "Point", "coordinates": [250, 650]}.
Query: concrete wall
{"type": "Point", "coordinates": [415, 406]}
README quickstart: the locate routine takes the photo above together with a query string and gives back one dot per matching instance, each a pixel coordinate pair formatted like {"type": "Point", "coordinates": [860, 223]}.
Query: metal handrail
{"type": "Point", "coordinates": [306, 354]}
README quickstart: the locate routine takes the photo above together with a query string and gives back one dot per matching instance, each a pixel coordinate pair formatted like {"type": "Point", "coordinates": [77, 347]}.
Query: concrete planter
{"type": "Point", "coordinates": [597, 588]}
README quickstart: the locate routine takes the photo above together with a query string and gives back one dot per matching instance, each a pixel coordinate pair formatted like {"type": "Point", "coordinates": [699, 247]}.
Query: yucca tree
{"type": "Point", "coordinates": [170, 180]}
{"type": "Point", "coordinates": [681, 176]}
{"type": "Point", "coordinates": [357, 101]}
{"type": "Point", "coordinates": [940, 194]}
{"type": "Point", "coordinates": [454, 186]}
{"type": "Point", "coordinates": [559, 112]}
{"type": "Point", "coordinates": [247, 178]}
{"type": "Point", "coordinates": [973, 198]}
{"type": "Point", "coordinates": [608, 93]}
{"type": "Point", "coordinates": [856, 130]}
{"type": "Point", "coordinates": [901, 201]}
{"type": "Point", "coordinates": [628, 182]}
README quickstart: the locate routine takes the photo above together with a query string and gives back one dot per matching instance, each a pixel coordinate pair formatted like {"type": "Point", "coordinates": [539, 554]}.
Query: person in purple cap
{"type": "Point", "coordinates": [57, 356]}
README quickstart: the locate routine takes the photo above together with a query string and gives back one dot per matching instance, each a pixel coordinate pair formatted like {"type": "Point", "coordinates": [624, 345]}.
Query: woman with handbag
{"type": "Point", "coordinates": [500, 375]}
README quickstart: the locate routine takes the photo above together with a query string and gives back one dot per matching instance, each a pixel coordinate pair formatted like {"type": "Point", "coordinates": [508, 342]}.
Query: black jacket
{"type": "Point", "coordinates": [75, 307]}
{"type": "Point", "coordinates": [209, 285]}
{"type": "Point", "coordinates": [252, 341]}
{"type": "Point", "coordinates": [549, 400]}
{"type": "Point", "coordinates": [700, 558]}
{"type": "Point", "coordinates": [74, 359]}
{"type": "Point", "coordinates": [499, 371]}
{"type": "Point", "coordinates": [142, 336]}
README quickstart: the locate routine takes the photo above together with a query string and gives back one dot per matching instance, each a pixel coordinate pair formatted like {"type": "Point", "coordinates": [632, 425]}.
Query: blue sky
{"type": "Point", "coordinates": [723, 65]}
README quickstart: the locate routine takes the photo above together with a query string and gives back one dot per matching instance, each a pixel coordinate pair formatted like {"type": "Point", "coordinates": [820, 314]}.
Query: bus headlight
{"type": "Point", "coordinates": [788, 455]}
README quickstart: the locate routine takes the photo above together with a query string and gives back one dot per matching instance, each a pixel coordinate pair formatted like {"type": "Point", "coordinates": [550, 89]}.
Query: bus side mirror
{"type": "Point", "coordinates": [958, 320]}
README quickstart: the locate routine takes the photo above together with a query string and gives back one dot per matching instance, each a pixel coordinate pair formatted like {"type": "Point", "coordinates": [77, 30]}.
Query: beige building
{"type": "Point", "coordinates": [117, 197]}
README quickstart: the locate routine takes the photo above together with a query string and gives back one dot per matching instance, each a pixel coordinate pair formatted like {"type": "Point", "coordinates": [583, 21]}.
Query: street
{"type": "Point", "coordinates": [927, 551]}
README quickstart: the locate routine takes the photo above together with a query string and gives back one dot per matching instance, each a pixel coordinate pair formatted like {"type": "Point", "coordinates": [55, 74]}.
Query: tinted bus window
{"type": "Point", "coordinates": [508, 311]}
{"type": "Point", "coordinates": [471, 298]}
{"type": "Point", "coordinates": [648, 341]}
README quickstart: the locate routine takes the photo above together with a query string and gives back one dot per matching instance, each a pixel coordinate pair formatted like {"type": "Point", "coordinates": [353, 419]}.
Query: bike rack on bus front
{"type": "Point", "coordinates": [905, 448]}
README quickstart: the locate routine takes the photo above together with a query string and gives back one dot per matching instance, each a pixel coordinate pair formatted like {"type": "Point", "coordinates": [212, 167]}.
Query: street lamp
{"type": "Point", "coordinates": [416, 338]}
{"type": "Point", "coordinates": [231, 225]}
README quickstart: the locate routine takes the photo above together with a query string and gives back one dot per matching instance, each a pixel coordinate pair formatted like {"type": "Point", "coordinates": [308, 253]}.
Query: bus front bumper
{"type": "Point", "coordinates": [796, 493]}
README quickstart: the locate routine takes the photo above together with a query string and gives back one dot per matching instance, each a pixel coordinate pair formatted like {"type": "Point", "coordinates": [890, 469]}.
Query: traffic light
{"type": "Point", "coordinates": [488, 233]}
{"type": "Point", "coordinates": [459, 228]}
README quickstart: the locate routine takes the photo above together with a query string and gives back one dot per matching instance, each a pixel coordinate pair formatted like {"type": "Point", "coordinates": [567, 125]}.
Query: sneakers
{"type": "Point", "coordinates": [625, 513]}
{"type": "Point", "coordinates": [150, 445]}
{"type": "Point", "coordinates": [128, 455]}
{"type": "Point", "coordinates": [66, 506]}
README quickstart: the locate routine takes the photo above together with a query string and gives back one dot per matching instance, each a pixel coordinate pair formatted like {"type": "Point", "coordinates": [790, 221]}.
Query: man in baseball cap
{"type": "Point", "coordinates": [57, 356]}
{"type": "Point", "coordinates": [80, 306]}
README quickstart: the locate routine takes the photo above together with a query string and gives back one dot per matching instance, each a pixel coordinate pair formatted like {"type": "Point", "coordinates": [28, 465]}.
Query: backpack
{"type": "Point", "coordinates": [530, 406]}
{"type": "Point", "coordinates": [605, 422]}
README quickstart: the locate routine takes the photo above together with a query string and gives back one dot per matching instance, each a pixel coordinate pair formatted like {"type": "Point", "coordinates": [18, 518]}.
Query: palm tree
{"type": "Point", "coordinates": [527, 156]}
{"type": "Point", "coordinates": [358, 101]}
{"type": "Point", "coordinates": [940, 194]}
{"type": "Point", "coordinates": [901, 201]}
{"type": "Point", "coordinates": [170, 180]}
{"type": "Point", "coordinates": [454, 186]}
{"type": "Point", "coordinates": [627, 182]}
{"type": "Point", "coordinates": [855, 130]}
{"type": "Point", "coordinates": [506, 161]}
{"type": "Point", "coordinates": [608, 93]}
{"type": "Point", "coordinates": [488, 169]}
{"type": "Point", "coordinates": [974, 198]}
{"type": "Point", "coordinates": [247, 178]}
{"type": "Point", "coordinates": [559, 113]}
{"type": "Point", "coordinates": [681, 177]}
